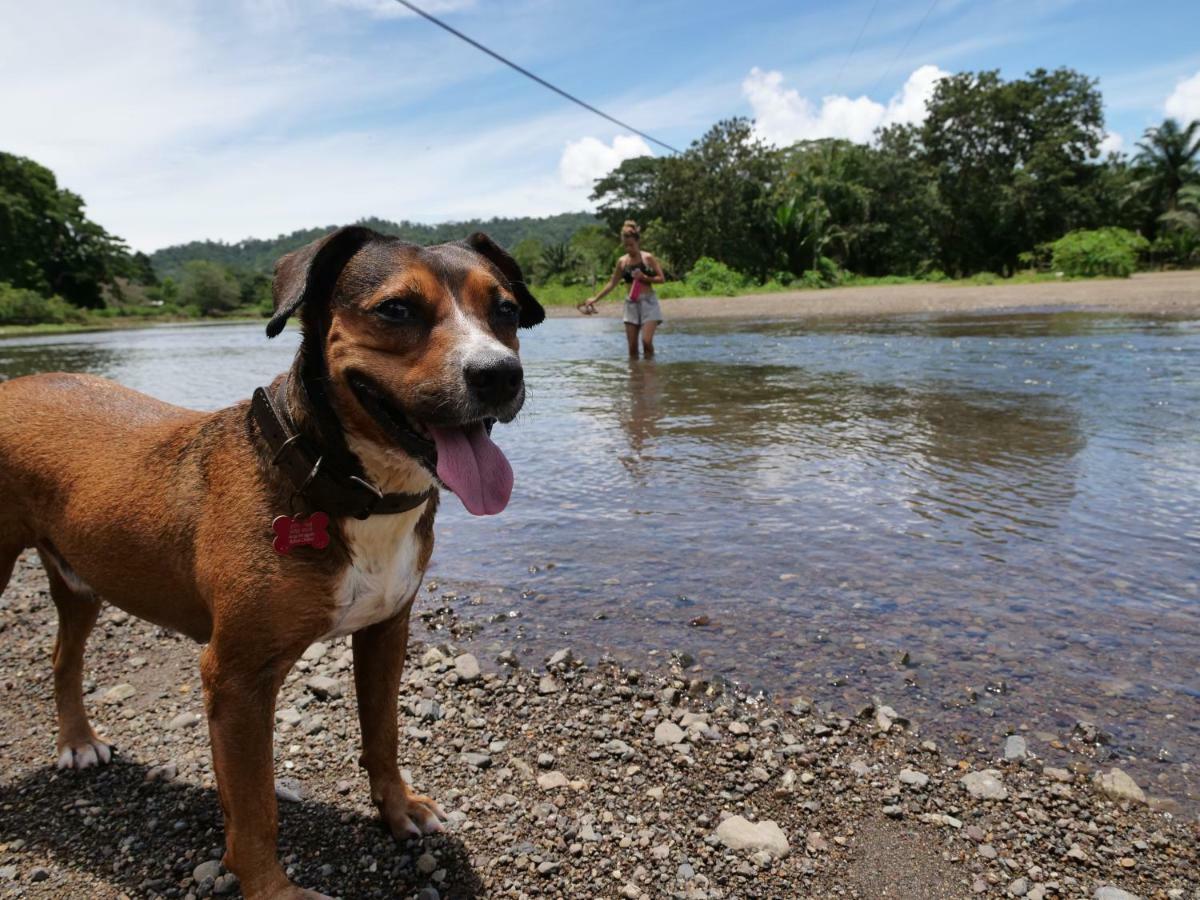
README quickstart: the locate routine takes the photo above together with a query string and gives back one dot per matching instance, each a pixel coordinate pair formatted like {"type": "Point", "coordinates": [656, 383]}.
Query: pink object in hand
{"type": "Point", "coordinates": [636, 290]}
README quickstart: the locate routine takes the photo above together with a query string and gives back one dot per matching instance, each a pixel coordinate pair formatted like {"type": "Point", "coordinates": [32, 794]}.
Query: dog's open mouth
{"type": "Point", "coordinates": [462, 456]}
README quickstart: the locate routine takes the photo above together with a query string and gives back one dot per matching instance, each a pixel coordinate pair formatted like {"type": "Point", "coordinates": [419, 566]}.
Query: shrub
{"type": "Point", "coordinates": [1105, 251]}
{"type": "Point", "coordinates": [19, 306]}
{"type": "Point", "coordinates": [711, 277]}
{"type": "Point", "coordinates": [210, 287]}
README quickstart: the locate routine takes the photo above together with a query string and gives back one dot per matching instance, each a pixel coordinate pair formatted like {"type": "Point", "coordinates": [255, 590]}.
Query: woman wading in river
{"type": "Point", "coordinates": [641, 271]}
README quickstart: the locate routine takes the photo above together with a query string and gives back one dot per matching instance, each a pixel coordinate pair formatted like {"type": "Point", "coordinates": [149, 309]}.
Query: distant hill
{"type": "Point", "coordinates": [259, 254]}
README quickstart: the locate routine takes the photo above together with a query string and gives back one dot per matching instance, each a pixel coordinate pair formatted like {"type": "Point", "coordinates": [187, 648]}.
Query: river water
{"type": "Point", "coordinates": [992, 522]}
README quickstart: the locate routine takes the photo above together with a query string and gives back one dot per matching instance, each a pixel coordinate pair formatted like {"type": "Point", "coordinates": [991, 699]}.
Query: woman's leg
{"type": "Point", "coordinates": [648, 330]}
{"type": "Point", "coordinates": [631, 335]}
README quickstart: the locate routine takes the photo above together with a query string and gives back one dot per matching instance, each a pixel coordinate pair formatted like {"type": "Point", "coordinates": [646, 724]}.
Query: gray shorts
{"type": "Point", "coordinates": [642, 310]}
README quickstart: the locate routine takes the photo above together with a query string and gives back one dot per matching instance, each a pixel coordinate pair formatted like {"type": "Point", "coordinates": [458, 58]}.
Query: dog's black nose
{"type": "Point", "coordinates": [495, 383]}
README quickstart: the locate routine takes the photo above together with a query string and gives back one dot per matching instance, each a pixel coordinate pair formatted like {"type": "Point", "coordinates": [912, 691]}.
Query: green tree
{"type": "Point", "coordinates": [527, 253]}
{"type": "Point", "coordinates": [713, 200]}
{"type": "Point", "coordinates": [556, 259]}
{"type": "Point", "coordinates": [47, 244]}
{"type": "Point", "coordinates": [1013, 162]}
{"type": "Point", "coordinates": [827, 204]}
{"type": "Point", "coordinates": [1168, 158]}
{"type": "Point", "coordinates": [210, 287]}
{"type": "Point", "coordinates": [595, 249]}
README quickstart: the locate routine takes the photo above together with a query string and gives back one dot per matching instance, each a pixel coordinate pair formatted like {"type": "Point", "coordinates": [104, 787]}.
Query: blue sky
{"type": "Point", "coordinates": [235, 118]}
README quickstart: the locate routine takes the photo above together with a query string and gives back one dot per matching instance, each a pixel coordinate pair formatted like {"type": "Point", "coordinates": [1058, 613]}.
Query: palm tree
{"type": "Point", "coordinates": [1186, 214]}
{"type": "Point", "coordinates": [1169, 155]}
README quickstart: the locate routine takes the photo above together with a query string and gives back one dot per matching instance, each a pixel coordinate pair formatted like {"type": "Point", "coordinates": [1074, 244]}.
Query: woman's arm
{"type": "Point", "coordinates": [658, 277]}
{"type": "Point", "coordinates": [612, 283]}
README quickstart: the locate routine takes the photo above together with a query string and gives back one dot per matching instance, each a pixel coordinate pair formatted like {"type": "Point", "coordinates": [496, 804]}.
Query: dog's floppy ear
{"type": "Point", "coordinates": [311, 272]}
{"type": "Point", "coordinates": [531, 311]}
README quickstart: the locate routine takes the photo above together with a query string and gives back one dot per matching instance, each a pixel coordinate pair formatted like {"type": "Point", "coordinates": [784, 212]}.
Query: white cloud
{"type": "Point", "coordinates": [1184, 102]}
{"type": "Point", "coordinates": [782, 115]}
{"type": "Point", "coordinates": [585, 160]}
{"type": "Point", "coordinates": [1111, 143]}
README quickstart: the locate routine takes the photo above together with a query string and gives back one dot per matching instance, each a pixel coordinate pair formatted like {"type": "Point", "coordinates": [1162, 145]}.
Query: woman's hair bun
{"type": "Point", "coordinates": [630, 228]}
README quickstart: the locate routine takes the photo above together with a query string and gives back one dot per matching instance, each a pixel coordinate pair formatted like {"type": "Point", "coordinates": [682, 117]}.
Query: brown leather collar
{"type": "Point", "coordinates": [314, 479]}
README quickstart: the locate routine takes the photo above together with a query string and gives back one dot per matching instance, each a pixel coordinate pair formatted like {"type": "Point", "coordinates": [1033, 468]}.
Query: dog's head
{"type": "Point", "coordinates": [418, 347]}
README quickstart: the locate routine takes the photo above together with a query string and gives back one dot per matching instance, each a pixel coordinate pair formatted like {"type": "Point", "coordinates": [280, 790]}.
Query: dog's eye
{"type": "Point", "coordinates": [507, 311]}
{"type": "Point", "coordinates": [396, 310]}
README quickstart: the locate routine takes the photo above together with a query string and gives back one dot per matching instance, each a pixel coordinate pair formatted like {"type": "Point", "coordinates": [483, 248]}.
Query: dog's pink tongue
{"type": "Point", "coordinates": [474, 468]}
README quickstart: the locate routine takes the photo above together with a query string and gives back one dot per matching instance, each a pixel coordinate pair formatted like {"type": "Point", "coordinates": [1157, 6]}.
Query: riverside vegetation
{"type": "Point", "coordinates": [1003, 179]}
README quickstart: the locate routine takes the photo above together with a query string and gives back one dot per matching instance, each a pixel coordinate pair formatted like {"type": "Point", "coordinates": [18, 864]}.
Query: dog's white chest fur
{"type": "Point", "coordinates": [385, 551]}
{"type": "Point", "coordinates": [384, 573]}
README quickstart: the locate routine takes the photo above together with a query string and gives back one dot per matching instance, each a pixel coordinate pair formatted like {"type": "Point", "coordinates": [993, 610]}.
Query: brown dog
{"type": "Point", "coordinates": [408, 356]}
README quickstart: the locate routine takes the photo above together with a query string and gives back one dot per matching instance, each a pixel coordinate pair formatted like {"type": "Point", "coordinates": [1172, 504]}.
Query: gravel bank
{"type": "Point", "coordinates": [1151, 293]}
{"type": "Point", "coordinates": [570, 781]}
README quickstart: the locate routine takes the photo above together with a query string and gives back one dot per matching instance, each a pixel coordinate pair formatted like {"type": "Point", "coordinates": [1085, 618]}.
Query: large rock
{"type": "Point", "coordinates": [550, 781]}
{"type": "Point", "coordinates": [737, 833]}
{"type": "Point", "coordinates": [324, 687]}
{"type": "Point", "coordinates": [1119, 786]}
{"type": "Point", "coordinates": [1113, 893]}
{"type": "Point", "coordinates": [985, 785]}
{"type": "Point", "coordinates": [667, 733]}
{"type": "Point", "coordinates": [467, 667]}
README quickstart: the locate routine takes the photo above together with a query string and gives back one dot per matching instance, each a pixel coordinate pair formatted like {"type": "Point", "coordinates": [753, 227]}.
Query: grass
{"type": "Point", "coordinates": [555, 294]}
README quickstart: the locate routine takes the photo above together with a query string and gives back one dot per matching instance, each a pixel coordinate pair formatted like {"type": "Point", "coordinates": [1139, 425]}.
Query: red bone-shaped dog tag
{"type": "Point", "coordinates": [300, 532]}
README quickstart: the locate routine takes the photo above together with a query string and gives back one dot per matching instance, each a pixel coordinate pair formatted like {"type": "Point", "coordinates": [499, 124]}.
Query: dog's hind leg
{"type": "Point", "coordinates": [8, 559]}
{"type": "Point", "coordinates": [78, 745]}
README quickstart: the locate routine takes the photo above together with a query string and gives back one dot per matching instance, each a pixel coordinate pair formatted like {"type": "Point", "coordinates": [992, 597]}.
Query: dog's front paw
{"type": "Point", "coordinates": [83, 754]}
{"type": "Point", "coordinates": [410, 815]}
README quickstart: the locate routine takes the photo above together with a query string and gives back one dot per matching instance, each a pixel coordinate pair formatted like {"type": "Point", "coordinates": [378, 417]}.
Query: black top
{"type": "Point", "coordinates": [629, 270]}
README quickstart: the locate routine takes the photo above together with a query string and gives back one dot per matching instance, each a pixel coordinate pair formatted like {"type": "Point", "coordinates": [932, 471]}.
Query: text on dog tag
{"type": "Point", "coordinates": [302, 531]}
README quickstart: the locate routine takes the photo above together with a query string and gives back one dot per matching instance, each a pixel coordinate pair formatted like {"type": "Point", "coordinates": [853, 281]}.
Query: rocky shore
{"type": "Point", "coordinates": [565, 777]}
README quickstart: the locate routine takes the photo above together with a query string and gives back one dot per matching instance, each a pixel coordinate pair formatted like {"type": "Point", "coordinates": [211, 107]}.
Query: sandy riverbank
{"type": "Point", "coordinates": [1153, 293]}
{"type": "Point", "coordinates": [566, 780]}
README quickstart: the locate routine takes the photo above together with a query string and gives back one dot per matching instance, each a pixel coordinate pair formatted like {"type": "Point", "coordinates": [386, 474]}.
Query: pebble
{"type": "Point", "coordinates": [289, 790]}
{"type": "Point", "coordinates": [737, 833]}
{"type": "Point", "coordinates": [1119, 786]}
{"type": "Point", "coordinates": [467, 668]}
{"type": "Point", "coordinates": [1113, 893]}
{"type": "Point", "coordinates": [913, 778]}
{"type": "Point", "coordinates": [324, 688]}
{"type": "Point", "coordinates": [668, 734]}
{"type": "Point", "coordinates": [1015, 748]}
{"type": "Point", "coordinates": [550, 781]}
{"type": "Point", "coordinates": [426, 863]}
{"type": "Point", "coordinates": [185, 720]}
{"type": "Point", "coordinates": [547, 685]}
{"type": "Point", "coordinates": [207, 870]}
{"type": "Point", "coordinates": [118, 693]}
{"type": "Point", "coordinates": [477, 760]}
{"type": "Point", "coordinates": [985, 785]}
{"type": "Point", "coordinates": [1019, 887]}
{"type": "Point", "coordinates": [428, 893]}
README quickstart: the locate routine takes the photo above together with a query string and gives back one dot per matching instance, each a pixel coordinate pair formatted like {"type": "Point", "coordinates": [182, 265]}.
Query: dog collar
{"type": "Point", "coordinates": [312, 477]}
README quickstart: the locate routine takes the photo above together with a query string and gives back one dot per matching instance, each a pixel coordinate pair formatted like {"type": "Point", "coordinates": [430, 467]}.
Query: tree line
{"type": "Point", "coordinates": [997, 172]}
{"type": "Point", "coordinates": [1000, 176]}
